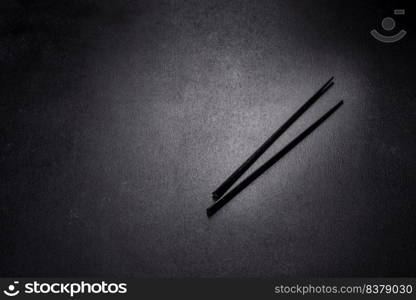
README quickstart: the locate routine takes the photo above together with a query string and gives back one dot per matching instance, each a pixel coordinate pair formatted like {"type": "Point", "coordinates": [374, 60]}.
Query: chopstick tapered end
{"type": "Point", "coordinates": [209, 212]}
{"type": "Point", "coordinates": [215, 196]}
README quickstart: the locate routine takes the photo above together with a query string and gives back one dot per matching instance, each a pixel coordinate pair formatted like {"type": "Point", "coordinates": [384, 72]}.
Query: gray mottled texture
{"type": "Point", "coordinates": [119, 118]}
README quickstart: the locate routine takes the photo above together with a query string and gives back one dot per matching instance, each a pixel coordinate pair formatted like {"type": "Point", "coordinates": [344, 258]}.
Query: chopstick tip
{"type": "Point", "coordinates": [209, 213]}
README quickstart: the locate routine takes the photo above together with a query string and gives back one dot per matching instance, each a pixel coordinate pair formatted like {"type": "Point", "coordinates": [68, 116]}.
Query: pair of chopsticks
{"type": "Point", "coordinates": [219, 195]}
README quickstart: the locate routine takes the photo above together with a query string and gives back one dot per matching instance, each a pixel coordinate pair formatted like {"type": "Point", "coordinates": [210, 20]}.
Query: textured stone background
{"type": "Point", "coordinates": [119, 118]}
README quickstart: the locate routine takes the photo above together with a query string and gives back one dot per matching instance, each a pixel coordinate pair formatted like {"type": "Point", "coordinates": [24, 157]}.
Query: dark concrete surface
{"type": "Point", "coordinates": [119, 118]}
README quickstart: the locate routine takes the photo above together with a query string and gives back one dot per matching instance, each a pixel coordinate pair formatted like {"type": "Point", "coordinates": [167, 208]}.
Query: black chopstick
{"type": "Point", "coordinates": [253, 176]}
{"type": "Point", "coordinates": [223, 188]}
